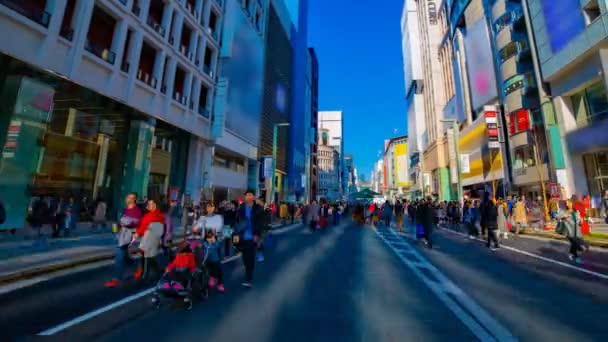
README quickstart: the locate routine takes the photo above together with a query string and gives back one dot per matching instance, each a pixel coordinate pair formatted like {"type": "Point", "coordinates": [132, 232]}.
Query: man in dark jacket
{"type": "Point", "coordinates": [249, 229]}
{"type": "Point", "coordinates": [487, 203]}
{"type": "Point", "coordinates": [489, 215]}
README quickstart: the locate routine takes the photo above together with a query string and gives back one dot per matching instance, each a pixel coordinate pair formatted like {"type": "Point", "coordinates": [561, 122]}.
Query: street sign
{"type": "Point", "coordinates": [554, 190]}
{"type": "Point", "coordinates": [493, 144]}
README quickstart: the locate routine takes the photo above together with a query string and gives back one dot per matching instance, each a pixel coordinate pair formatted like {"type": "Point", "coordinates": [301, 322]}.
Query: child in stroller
{"type": "Point", "coordinates": [184, 275]}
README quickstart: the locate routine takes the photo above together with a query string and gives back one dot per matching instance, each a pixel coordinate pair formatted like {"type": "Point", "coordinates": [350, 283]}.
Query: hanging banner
{"type": "Point", "coordinates": [452, 157]}
{"type": "Point", "coordinates": [554, 190]}
{"type": "Point", "coordinates": [523, 120]}
{"type": "Point", "coordinates": [465, 163]}
{"type": "Point", "coordinates": [266, 167]}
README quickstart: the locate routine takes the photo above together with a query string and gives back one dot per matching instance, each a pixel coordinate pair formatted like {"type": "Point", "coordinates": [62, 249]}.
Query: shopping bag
{"type": "Point", "coordinates": [419, 231]}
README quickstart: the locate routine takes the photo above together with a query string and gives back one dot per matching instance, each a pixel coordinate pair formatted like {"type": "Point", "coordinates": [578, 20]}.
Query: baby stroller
{"type": "Point", "coordinates": [185, 277]}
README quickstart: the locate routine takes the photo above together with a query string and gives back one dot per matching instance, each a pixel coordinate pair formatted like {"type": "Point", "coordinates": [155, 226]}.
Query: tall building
{"type": "Point", "coordinates": [571, 65]}
{"type": "Point", "coordinates": [105, 97]}
{"type": "Point", "coordinates": [332, 122]}
{"type": "Point", "coordinates": [351, 174]}
{"type": "Point", "coordinates": [329, 167]}
{"type": "Point", "coordinates": [413, 76]}
{"type": "Point", "coordinates": [378, 176]}
{"type": "Point", "coordinates": [314, 123]}
{"type": "Point", "coordinates": [397, 167]}
{"type": "Point", "coordinates": [527, 152]}
{"type": "Point", "coordinates": [300, 134]}
{"type": "Point", "coordinates": [277, 103]}
{"type": "Point", "coordinates": [239, 98]}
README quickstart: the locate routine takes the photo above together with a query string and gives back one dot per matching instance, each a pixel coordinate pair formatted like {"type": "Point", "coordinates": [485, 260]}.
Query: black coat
{"type": "Point", "coordinates": [257, 219]}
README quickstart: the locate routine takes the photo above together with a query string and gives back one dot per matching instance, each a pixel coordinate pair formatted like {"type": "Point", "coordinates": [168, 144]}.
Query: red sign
{"type": "Point", "coordinates": [511, 123]}
{"type": "Point", "coordinates": [523, 120]}
{"type": "Point", "coordinates": [492, 132]}
{"type": "Point", "coordinates": [554, 190]}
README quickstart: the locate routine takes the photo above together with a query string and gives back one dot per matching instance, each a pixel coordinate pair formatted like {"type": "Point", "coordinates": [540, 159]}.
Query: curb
{"type": "Point", "coordinates": [594, 243]}
{"type": "Point", "coordinates": [54, 267]}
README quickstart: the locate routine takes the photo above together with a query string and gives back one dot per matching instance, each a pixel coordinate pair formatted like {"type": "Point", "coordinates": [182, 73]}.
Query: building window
{"type": "Point", "coordinates": [67, 27]}
{"type": "Point", "coordinates": [523, 157]}
{"type": "Point", "coordinates": [592, 12]}
{"type": "Point", "coordinates": [100, 35]}
{"type": "Point", "coordinates": [32, 9]}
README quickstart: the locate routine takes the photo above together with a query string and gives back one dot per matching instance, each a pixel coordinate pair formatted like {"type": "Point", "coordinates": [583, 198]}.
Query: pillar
{"type": "Point", "coordinates": [137, 158]}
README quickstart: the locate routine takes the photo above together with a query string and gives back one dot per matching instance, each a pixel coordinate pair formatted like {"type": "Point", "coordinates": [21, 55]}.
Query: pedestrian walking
{"type": "Point", "coordinates": [470, 219]}
{"type": "Point", "coordinates": [387, 214]}
{"type": "Point", "coordinates": [428, 218]}
{"type": "Point", "coordinates": [248, 231]}
{"type": "Point", "coordinates": [213, 262]}
{"type": "Point", "coordinates": [313, 215]}
{"type": "Point", "coordinates": [99, 218]}
{"type": "Point", "coordinates": [153, 215]}
{"type": "Point", "coordinates": [398, 209]}
{"type": "Point", "coordinates": [291, 208]}
{"type": "Point", "coordinates": [490, 215]}
{"type": "Point", "coordinates": [150, 246]}
{"type": "Point", "coordinates": [570, 226]}
{"type": "Point", "coordinates": [520, 215]}
{"type": "Point", "coordinates": [502, 217]}
{"type": "Point", "coordinates": [284, 212]}
{"type": "Point", "coordinates": [266, 222]}
{"type": "Point", "coordinates": [487, 202]}
{"type": "Point", "coordinates": [129, 221]}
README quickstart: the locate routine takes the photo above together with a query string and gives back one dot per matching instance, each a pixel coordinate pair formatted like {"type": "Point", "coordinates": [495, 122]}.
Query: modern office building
{"type": "Point", "coordinates": [314, 123]}
{"type": "Point", "coordinates": [413, 76]}
{"type": "Point", "coordinates": [351, 174]}
{"type": "Point", "coordinates": [105, 97]}
{"type": "Point", "coordinates": [277, 102]}
{"type": "Point", "coordinates": [332, 122]}
{"type": "Point", "coordinates": [572, 64]}
{"type": "Point", "coordinates": [378, 176]}
{"type": "Point", "coordinates": [299, 132]}
{"type": "Point", "coordinates": [329, 167]}
{"type": "Point", "coordinates": [239, 98]}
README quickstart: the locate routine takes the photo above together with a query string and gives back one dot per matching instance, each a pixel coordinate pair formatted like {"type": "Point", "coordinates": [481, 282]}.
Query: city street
{"type": "Point", "coordinates": [348, 283]}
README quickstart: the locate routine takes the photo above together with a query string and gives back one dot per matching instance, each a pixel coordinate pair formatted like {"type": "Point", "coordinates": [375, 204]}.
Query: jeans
{"type": "Point", "coordinates": [248, 251]}
{"type": "Point", "coordinates": [387, 221]}
{"type": "Point", "coordinates": [493, 237]}
{"type": "Point", "coordinates": [121, 261]}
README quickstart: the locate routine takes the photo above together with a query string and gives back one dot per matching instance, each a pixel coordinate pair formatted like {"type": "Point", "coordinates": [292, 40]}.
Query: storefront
{"type": "Point", "coordinates": [60, 141]}
{"type": "Point", "coordinates": [481, 168]}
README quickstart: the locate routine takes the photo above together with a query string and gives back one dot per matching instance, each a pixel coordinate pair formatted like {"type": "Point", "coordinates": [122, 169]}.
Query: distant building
{"type": "Point", "coordinates": [333, 122]}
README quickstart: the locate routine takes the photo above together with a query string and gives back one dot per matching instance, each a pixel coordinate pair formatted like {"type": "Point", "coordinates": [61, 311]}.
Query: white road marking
{"type": "Point", "coordinates": [94, 313]}
{"type": "Point", "coordinates": [540, 257]}
{"type": "Point", "coordinates": [285, 229]}
{"type": "Point", "coordinates": [479, 321]}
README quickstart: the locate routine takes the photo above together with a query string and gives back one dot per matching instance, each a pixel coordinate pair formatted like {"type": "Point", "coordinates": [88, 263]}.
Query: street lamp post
{"type": "Point", "coordinates": [456, 129]}
{"type": "Point", "coordinates": [275, 133]}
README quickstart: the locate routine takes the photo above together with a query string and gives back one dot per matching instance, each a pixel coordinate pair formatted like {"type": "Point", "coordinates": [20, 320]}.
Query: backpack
{"type": "Point", "coordinates": [2, 213]}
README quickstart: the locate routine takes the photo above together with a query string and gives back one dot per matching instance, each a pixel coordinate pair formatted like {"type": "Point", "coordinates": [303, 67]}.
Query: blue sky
{"type": "Point", "coordinates": [358, 44]}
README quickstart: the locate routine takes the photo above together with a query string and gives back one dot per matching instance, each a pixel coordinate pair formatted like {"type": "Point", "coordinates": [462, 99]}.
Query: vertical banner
{"type": "Point", "coordinates": [465, 163]}
{"type": "Point", "coordinates": [401, 165]}
{"type": "Point", "coordinates": [452, 157]}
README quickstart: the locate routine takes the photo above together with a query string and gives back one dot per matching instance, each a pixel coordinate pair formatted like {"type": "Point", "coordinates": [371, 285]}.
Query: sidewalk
{"type": "Point", "coordinates": [24, 256]}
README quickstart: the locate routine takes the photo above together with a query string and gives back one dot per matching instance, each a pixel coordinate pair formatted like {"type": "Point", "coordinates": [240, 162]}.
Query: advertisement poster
{"type": "Point", "coordinates": [465, 163]}
{"type": "Point", "coordinates": [401, 164]}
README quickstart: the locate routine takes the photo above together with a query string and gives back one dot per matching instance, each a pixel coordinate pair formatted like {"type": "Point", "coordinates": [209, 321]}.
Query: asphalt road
{"type": "Point", "coordinates": [346, 284]}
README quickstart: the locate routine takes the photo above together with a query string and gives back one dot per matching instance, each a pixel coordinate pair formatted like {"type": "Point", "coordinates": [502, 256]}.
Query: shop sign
{"type": "Point", "coordinates": [523, 120]}
{"type": "Point", "coordinates": [493, 144]}
{"type": "Point", "coordinates": [465, 163]}
{"type": "Point", "coordinates": [12, 137]}
{"type": "Point", "coordinates": [267, 167]}
{"type": "Point", "coordinates": [511, 124]}
{"type": "Point", "coordinates": [554, 190]}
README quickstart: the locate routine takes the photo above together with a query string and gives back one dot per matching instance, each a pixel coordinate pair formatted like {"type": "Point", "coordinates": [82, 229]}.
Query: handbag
{"type": "Point", "coordinates": [561, 228]}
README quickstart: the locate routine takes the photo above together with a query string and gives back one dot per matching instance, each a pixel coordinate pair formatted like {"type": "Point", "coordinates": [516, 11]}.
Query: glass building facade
{"type": "Point", "coordinates": [62, 141]}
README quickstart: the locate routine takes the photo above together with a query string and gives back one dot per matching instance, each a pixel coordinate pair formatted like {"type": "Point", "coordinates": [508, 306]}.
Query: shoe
{"type": "Point", "coordinates": [137, 274]}
{"type": "Point", "coordinates": [112, 283]}
{"type": "Point", "coordinates": [221, 288]}
{"type": "Point", "coordinates": [471, 237]}
{"type": "Point", "coordinates": [247, 284]}
{"type": "Point", "coordinates": [260, 257]}
{"type": "Point", "coordinates": [212, 282]}
{"type": "Point", "coordinates": [494, 248]}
